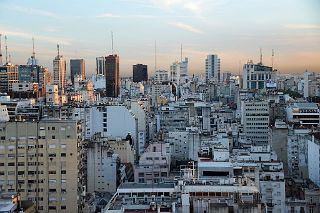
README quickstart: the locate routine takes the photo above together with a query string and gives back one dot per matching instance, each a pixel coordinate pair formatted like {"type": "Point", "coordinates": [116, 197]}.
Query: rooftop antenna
{"type": "Point", "coordinates": [33, 53]}
{"type": "Point", "coordinates": [272, 58]}
{"type": "Point", "coordinates": [155, 55]}
{"type": "Point", "coordinates": [112, 42]}
{"type": "Point", "coordinates": [181, 54]}
{"type": "Point", "coordinates": [58, 49]}
{"type": "Point", "coordinates": [9, 58]}
{"type": "Point", "coordinates": [260, 56]}
{"type": "Point", "coordinates": [6, 46]}
{"type": "Point", "coordinates": [0, 51]}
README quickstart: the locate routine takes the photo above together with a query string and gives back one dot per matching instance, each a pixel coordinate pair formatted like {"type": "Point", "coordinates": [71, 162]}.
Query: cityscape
{"type": "Point", "coordinates": [162, 124]}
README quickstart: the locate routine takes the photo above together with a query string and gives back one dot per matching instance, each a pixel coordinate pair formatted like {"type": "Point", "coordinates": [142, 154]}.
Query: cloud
{"type": "Point", "coordinates": [186, 27]}
{"type": "Point", "coordinates": [303, 26]}
{"type": "Point", "coordinates": [26, 35]}
{"type": "Point", "coordinates": [110, 15]}
{"type": "Point", "coordinates": [33, 11]}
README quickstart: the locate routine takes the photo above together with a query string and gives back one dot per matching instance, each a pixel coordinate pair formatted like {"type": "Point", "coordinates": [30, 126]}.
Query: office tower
{"type": "Point", "coordinates": [255, 120]}
{"type": "Point", "coordinates": [100, 65]}
{"type": "Point", "coordinates": [59, 72]}
{"type": "Point", "coordinates": [77, 68]}
{"type": "Point", "coordinates": [256, 76]}
{"type": "Point", "coordinates": [174, 72]}
{"type": "Point", "coordinates": [8, 76]}
{"type": "Point", "coordinates": [184, 76]}
{"type": "Point", "coordinates": [39, 161]}
{"type": "Point", "coordinates": [213, 67]}
{"type": "Point", "coordinates": [140, 73]}
{"type": "Point", "coordinates": [112, 76]}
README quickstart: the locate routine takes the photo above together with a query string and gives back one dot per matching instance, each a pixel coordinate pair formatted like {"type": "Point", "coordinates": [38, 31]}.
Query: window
{"type": "Point", "coordinates": [63, 154]}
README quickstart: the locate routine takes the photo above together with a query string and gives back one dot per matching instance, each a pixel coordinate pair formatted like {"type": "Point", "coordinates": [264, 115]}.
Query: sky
{"type": "Point", "coordinates": [233, 29]}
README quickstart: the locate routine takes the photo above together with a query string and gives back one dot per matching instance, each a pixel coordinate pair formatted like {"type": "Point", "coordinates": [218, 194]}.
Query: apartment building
{"type": "Point", "coordinates": [39, 161]}
{"type": "Point", "coordinates": [255, 120]}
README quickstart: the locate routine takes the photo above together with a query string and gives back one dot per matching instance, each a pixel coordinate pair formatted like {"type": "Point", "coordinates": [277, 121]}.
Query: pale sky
{"type": "Point", "coordinates": [233, 29]}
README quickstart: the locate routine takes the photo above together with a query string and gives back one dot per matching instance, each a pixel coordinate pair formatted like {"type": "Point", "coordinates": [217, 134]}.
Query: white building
{"type": "Point", "coordinates": [212, 67]}
{"type": "Point", "coordinates": [161, 76]}
{"type": "Point", "coordinates": [154, 164]}
{"type": "Point", "coordinates": [140, 113]}
{"type": "Point", "coordinates": [184, 73]}
{"type": "Point", "coordinates": [102, 168]}
{"type": "Point", "coordinates": [307, 114]}
{"type": "Point", "coordinates": [314, 160]}
{"type": "Point", "coordinates": [184, 144]}
{"type": "Point", "coordinates": [100, 65]}
{"type": "Point", "coordinates": [174, 72]}
{"type": "Point", "coordinates": [111, 121]}
{"type": "Point", "coordinates": [255, 120]}
{"type": "Point", "coordinates": [272, 186]}
{"type": "Point", "coordinates": [98, 81]}
{"type": "Point", "coordinates": [4, 116]}
{"type": "Point", "coordinates": [52, 95]}
{"type": "Point", "coordinates": [59, 72]}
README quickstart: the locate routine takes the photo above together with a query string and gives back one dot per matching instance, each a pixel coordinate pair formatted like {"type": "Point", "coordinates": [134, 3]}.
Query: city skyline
{"type": "Point", "coordinates": [233, 30]}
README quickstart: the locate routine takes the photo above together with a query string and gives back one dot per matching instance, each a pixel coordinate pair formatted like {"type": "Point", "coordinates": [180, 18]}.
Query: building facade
{"type": "Point", "coordinates": [60, 73]}
{"type": "Point", "coordinates": [112, 76]}
{"type": "Point", "coordinates": [39, 161]}
{"type": "Point", "coordinates": [212, 66]}
{"type": "Point", "coordinates": [77, 68]}
{"type": "Point", "coordinates": [140, 73]}
{"type": "Point", "coordinates": [256, 76]}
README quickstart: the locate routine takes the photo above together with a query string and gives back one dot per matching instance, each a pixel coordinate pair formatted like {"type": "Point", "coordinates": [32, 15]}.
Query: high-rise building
{"type": "Point", "coordinates": [213, 67]}
{"type": "Point", "coordinates": [8, 76]}
{"type": "Point", "coordinates": [179, 71]}
{"type": "Point", "coordinates": [256, 76]}
{"type": "Point", "coordinates": [255, 120]}
{"type": "Point", "coordinates": [140, 72]}
{"type": "Point", "coordinates": [184, 76]}
{"type": "Point", "coordinates": [77, 68]}
{"type": "Point", "coordinates": [112, 76]}
{"type": "Point", "coordinates": [174, 72]}
{"type": "Point", "coordinates": [59, 72]}
{"type": "Point", "coordinates": [100, 65]}
{"type": "Point", "coordinates": [39, 160]}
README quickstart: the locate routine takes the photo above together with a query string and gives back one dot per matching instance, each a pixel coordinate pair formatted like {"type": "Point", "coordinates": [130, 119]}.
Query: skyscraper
{"type": "Point", "coordinates": [59, 72]}
{"type": "Point", "coordinates": [100, 65]}
{"type": "Point", "coordinates": [77, 67]}
{"type": "Point", "coordinates": [184, 76]}
{"type": "Point", "coordinates": [213, 67]}
{"type": "Point", "coordinates": [140, 72]}
{"type": "Point", "coordinates": [174, 72]}
{"type": "Point", "coordinates": [112, 76]}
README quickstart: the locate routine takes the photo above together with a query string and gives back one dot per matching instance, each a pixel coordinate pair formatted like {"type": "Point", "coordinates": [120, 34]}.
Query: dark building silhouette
{"type": "Point", "coordinates": [112, 76]}
{"type": "Point", "coordinates": [77, 67]}
{"type": "Point", "coordinates": [140, 72]}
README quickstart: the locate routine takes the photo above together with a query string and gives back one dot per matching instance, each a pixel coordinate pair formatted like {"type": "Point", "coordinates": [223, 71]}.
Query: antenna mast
{"type": "Point", "coordinates": [58, 49]}
{"type": "Point", "coordinates": [6, 46]}
{"type": "Point", "coordinates": [155, 56]}
{"type": "Point", "coordinates": [272, 58]}
{"type": "Point", "coordinates": [181, 54]}
{"type": "Point", "coordinates": [33, 53]}
{"type": "Point", "coordinates": [260, 56]}
{"type": "Point", "coordinates": [112, 42]}
{"type": "Point", "coordinates": [0, 51]}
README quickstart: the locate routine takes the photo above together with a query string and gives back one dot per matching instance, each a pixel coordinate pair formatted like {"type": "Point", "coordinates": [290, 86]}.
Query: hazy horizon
{"type": "Point", "coordinates": [234, 30]}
